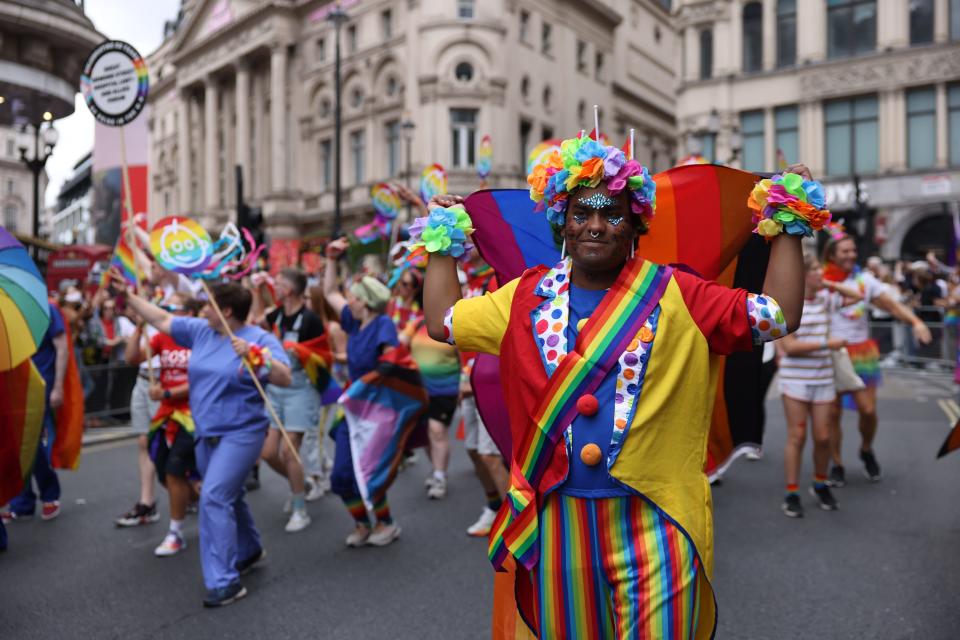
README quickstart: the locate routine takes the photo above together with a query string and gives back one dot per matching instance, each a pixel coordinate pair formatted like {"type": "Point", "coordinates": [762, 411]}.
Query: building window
{"type": "Point", "coordinates": [546, 133]}
{"type": "Point", "coordinates": [786, 121]}
{"type": "Point", "coordinates": [851, 27]}
{"type": "Point", "coordinates": [955, 19]}
{"type": "Point", "coordinates": [921, 21]}
{"type": "Point", "coordinates": [753, 37]}
{"type": "Point", "coordinates": [325, 108]}
{"type": "Point", "coordinates": [352, 38]}
{"type": "Point", "coordinates": [326, 164]}
{"type": "Point", "coordinates": [465, 9]}
{"type": "Point", "coordinates": [581, 56]}
{"type": "Point", "coordinates": [786, 33]}
{"type": "Point", "coordinates": [921, 127]}
{"type": "Point", "coordinates": [751, 127]}
{"type": "Point", "coordinates": [524, 25]}
{"type": "Point", "coordinates": [10, 215]}
{"type": "Point", "coordinates": [357, 155]}
{"type": "Point", "coordinates": [599, 64]}
{"type": "Point", "coordinates": [953, 122]}
{"type": "Point", "coordinates": [525, 87]}
{"type": "Point", "coordinates": [463, 133]}
{"type": "Point", "coordinates": [706, 54]}
{"type": "Point", "coordinates": [386, 24]}
{"type": "Point", "coordinates": [464, 72]}
{"type": "Point", "coordinates": [526, 128]}
{"type": "Point", "coordinates": [356, 98]}
{"type": "Point", "coordinates": [393, 148]}
{"type": "Point", "coordinates": [581, 112]}
{"type": "Point", "coordinates": [547, 98]}
{"type": "Point", "coordinates": [851, 136]}
{"type": "Point", "coordinates": [11, 147]}
{"type": "Point", "coordinates": [321, 50]}
{"type": "Point", "coordinates": [392, 86]}
{"type": "Point", "coordinates": [708, 145]}
{"type": "Point", "coordinates": [546, 39]}
{"type": "Point", "coordinates": [10, 187]}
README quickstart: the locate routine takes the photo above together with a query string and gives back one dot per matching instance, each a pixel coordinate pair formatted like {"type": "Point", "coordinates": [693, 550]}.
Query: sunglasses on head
{"type": "Point", "coordinates": [172, 308]}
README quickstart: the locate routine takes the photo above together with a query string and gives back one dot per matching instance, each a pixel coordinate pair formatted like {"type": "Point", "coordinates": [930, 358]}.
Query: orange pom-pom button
{"type": "Point", "coordinates": [590, 454]}
{"type": "Point", "coordinates": [587, 405]}
{"type": "Point", "coordinates": [646, 334]}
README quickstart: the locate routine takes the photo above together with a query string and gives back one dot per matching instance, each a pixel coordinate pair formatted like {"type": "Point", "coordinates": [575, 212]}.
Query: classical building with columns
{"type": "Point", "coordinates": [865, 92]}
{"type": "Point", "coordinates": [250, 83]}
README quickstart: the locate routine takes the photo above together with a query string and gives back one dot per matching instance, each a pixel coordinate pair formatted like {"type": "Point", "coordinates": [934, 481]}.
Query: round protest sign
{"type": "Point", "coordinates": [115, 83]}
{"type": "Point", "coordinates": [180, 244]}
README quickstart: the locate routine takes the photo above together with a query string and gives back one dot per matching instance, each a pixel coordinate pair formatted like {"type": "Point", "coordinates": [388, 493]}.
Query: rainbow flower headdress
{"type": "Point", "coordinates": [584, 162]}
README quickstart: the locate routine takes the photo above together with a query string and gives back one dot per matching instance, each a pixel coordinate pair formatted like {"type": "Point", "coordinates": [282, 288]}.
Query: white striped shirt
{"type": "Point", "coordinates": [815, 367]}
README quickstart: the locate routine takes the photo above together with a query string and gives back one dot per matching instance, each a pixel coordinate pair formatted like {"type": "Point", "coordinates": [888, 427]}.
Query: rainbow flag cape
{"type": "Point", "coordinates": [382, 410]}
{"type": "Point", "coordinates": [317, 361]}
{"type": "Point", "coordinates": [703, 225]}
{"type": "Point", "coordinates": [952, 443]}
{"type": "Point", "coordinates": [68, 438]}
{"type": "Point", "coordinates": [22, 405]}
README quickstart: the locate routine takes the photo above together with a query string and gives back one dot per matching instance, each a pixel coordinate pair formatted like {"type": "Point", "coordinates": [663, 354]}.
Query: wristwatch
{"type": "Point", "coordinates": [166, 394]}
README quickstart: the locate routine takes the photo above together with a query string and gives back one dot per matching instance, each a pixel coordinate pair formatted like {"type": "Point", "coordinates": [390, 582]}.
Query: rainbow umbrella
{"type": "Point", "coordinates": [24, 310]}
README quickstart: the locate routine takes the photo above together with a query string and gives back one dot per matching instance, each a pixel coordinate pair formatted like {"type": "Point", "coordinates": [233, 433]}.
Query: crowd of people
{"type": "Point", "coordinates": [222, 391]}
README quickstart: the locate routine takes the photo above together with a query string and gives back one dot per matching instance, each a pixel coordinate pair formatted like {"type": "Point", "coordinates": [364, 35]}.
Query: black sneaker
{"type": "Point", "coordinates": [871, 470]}
{"type": "Point", "coordinates": [837, 477]}
{"type": "Point", "coordinates": [791, 506]}
{"type": "Point", "coordinates": [247, 565]}
{"type": "Point", "coordinates": [253, 480]}
{"type": "Point", "coordinates": [224, 595]}
{"type": "Point", "coordinates": [826, 499]}
{"type": "Point", "coordinates": [140, 514]}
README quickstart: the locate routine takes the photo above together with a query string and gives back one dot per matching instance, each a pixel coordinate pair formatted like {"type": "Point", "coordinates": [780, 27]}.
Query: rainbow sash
{"type": "Point", "coordinates": [604, 337]}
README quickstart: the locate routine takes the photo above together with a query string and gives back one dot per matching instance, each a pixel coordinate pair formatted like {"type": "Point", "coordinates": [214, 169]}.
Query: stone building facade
{"type": "Point", "coordinates": [250, 83]}
{"type": "Point", "coordinates": [865, 92]}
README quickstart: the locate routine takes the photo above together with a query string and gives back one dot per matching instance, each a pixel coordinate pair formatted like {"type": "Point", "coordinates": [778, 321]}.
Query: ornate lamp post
{"type": "Point", "coordinates": [37, 160]}
{"type": "Point", "coordinates": [338, 17]}
{"type": "Point", "coordinates": [408, 126]}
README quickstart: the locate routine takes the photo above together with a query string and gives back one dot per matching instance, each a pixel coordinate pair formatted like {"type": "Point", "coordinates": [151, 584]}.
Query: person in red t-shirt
{"type": "Point", "coordinates": [171, 430]}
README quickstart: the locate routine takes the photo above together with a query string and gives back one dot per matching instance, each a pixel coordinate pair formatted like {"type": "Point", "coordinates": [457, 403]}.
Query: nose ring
{"type": "Point", "coordinates": [594, 234]}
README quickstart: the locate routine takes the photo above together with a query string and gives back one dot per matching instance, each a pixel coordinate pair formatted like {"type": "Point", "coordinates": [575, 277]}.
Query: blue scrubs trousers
{"type": "Point", "coordinates": [47, 482]}
{"type": "Point", "coordinates": [227, 531]}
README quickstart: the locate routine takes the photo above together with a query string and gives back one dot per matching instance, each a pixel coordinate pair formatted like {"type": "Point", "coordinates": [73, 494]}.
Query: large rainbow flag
{"type": "Point", "coordinates": [382, 410]}
{"type": "Point", "coordinates": [702, 223]}
{"type": "Point", "coordinates": [22, 405]}
{"type": "Point", "coordinates": [68, 434]}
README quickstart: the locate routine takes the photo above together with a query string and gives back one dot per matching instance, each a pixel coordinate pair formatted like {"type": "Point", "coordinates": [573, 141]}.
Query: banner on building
{"type": "Point", "coordinates": [107, 209]}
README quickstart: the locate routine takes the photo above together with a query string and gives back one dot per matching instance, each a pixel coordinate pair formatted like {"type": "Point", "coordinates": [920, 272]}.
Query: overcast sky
{"type": "Point", "coordinates": [140, 24]}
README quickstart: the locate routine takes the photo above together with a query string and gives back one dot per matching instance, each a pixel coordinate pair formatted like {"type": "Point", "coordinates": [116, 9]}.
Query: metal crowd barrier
{"type": "Point", "coordinates": [107, 389]}
{"type": "Point", "coordinates": [899, 348]}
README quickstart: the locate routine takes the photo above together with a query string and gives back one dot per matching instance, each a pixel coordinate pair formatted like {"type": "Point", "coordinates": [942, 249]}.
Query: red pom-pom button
{"type": "Point", "coordinates": [587, 405]}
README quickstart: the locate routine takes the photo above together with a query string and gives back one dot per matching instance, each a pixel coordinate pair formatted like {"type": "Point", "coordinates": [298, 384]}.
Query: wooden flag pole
{"type": "Point", "coordinates": [253, 375]}
{"type": "Point", "coordinates": [131, 239]}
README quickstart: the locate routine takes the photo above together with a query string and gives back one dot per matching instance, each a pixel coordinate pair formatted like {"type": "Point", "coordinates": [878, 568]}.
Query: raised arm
{"type": "Point", "coordinates": [134, 353]}
{"type": "Point", "coordinates": [330, 281]}
{"type": "Point", "coordinates": [441, 290]}
{"type": "Point", "coordinates": [154, 315]}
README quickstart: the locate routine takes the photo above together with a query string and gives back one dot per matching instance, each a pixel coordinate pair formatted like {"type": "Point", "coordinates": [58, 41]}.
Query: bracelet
{"type": "Point", "coordinates": [786, 203]}
{"type": "Point", "coordinates": [444, 231]}
{"type": "Point", "coordinates": [259, 359]}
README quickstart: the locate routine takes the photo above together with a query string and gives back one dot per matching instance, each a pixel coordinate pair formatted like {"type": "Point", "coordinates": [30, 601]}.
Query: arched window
{"type": "Point", "coordinates": [786, 33]}
{"type": "Point", "coordinates": [392, 86]}
{"type": "Point", "coordinates": [706, 54]}
{"type": "Point", "coordinates": [464, 72]}
{"type": "Point", "coordinates": [525, 87]}
{"type": "Point", "coordinates": [325, 108]}
{"type": "Point", "coordinates": [753, 37]}
{"type": "Point", "coordinates": [547, 98]}
{"type": "Point", "coordinates": [356, 98]}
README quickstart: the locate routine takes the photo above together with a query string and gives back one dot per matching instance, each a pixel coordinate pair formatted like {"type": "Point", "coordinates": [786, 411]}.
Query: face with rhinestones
{"type": "Point", "coordinates": [599, 229]}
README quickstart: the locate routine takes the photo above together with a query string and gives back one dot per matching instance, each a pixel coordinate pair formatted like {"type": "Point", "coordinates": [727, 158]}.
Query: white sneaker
{"type": "Point", "coordinates": [299, 521]}
{"type": "Point", "coordinates": [429, 481]}
{"type": "Point", "coordinates": [171, 545]}
{"type": "Point", "coordinates": [481, 528]}
{"type": "Point", "coordinates": [288, 506]}
{"type": "Point", "coordinates": [437, 490]}
{"type": "Point", "coordinates": [316, 487]}
{"type": "Point", "coordinates": [358, 537]}
{"type": "Point", "coordinates": [384, 535]}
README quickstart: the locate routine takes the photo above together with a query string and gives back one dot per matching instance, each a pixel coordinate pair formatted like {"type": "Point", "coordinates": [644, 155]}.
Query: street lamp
{"type": "Point", "coordinates": [736, 145]}
{"type": "Point", "coordinates": [36, 161]}
{"type": "Point", "coordinates": [408, 126]}
{"type": "Point", "coordinates": [337, 17]}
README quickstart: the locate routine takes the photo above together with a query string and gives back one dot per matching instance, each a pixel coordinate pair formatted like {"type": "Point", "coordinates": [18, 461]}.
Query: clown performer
{"type": "Point", "coordinates": [609, 364]}
{"type": "Point", "coordinates": [230, 425]}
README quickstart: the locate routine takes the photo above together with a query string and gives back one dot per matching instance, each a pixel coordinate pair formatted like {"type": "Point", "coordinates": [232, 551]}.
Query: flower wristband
{"type": "Point", "coordinates": [786, 203]}
{"type": "Point", "coordinates": [444, 231]}
{"type": "Point", "coordinates": [259, 359]}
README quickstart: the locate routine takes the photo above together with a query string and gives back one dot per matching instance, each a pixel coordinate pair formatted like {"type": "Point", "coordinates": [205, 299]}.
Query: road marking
{"type": "Point", "coordinates": [951, 409]}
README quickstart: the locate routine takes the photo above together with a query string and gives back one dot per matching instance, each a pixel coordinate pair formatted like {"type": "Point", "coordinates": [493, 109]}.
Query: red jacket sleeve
{"type": "Point", "coordinates": [720, 312]}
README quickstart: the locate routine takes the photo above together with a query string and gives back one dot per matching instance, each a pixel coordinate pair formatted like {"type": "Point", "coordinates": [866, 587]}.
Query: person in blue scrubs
{"type": "Point", "coordinates": [231, 425]}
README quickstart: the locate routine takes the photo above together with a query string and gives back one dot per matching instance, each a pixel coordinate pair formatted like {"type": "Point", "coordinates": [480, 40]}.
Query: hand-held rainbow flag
{"type": "Point", "coordinates": [317, 361]}
{"type": "Point", "coordinates": [433, 182]}
{"type": "Point", "coordinates": [952, 443]}
{"type": "Point", "coordinates": [485, 159]}
{"type": "Point", "coordinates": [68, 434]}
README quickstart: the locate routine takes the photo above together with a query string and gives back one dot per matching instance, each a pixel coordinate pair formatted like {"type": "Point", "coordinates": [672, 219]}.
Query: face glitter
{"type": "Point", "coordinates": [598, 201]}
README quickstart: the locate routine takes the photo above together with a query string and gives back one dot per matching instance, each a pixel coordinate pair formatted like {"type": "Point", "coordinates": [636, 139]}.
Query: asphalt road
{"type": "Point", "coordinates": [884, 566]}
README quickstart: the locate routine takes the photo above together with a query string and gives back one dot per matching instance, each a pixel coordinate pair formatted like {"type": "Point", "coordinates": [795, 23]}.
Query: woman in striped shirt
{"type": "Point", "coordinates": [806, 384]}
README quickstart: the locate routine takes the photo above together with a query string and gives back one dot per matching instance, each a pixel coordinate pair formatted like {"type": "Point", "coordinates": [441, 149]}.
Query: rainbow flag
{"type": "Point", "coordinates": [68, 434]}
{"type": "Point", "coordinates": [382, 409]}
{"type": "Point", "coordinates": [702, 224]}
{"type": "Point", "coordinates": [317, 361]}
{"type": "Point", "coordinates": [952, 443]}
{"type": "Point", "coordinates": [121, 261]}
{"type": "Point", "coordinates": [22, 405]}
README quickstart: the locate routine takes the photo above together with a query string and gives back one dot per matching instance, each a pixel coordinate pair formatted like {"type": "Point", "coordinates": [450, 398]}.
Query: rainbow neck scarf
{"type": "Point", "coordinates": [833, 273]}
{"type": "Point", "coordinates": [604, 337]}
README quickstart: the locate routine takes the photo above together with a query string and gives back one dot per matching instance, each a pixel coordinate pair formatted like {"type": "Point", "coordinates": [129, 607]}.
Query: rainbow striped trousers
{"type": "Point", "coordinates": [614, 568]}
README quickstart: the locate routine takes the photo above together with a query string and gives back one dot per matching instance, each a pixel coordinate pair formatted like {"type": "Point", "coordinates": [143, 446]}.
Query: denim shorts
{"type": "Point", "coordinates": [297, 406]}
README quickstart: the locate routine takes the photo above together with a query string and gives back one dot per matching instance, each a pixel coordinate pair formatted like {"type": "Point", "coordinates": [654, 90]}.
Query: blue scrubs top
{"type": "Point", "coordinates": [364, 345]}
{"type": "Point", "coordinates": [223, 398]}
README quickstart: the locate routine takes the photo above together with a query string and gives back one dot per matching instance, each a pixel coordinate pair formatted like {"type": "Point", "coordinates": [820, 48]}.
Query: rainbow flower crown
{"type": "Point", "coordinates": [584, 162]}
